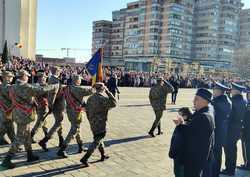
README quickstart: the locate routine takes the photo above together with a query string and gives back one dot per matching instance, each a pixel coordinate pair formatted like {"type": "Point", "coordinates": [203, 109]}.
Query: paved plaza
{"type": "Point", "coordinates": [132, 152]}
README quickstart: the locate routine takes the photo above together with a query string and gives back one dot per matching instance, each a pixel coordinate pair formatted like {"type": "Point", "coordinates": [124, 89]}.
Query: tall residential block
{"type": "Point", "coordinates": [245, 29]}
{"type": "Point", "coordinates": [18, 20]}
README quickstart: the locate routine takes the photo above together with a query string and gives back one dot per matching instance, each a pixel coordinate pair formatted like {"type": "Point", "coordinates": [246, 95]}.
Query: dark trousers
{"type": "Point", "coordinates": [157, 122]}
{"type": "Point", "coordinates": [174, 96]}
{"type": "Point", "coordinates": [191, 171]}
{"type": "Point", "coordinates": [231, 154]}
{"type": "Point", "coordinates": [217, 160]}
{"type": "Point", "coordinates": [178, 168]}
{"type": "Point", "coordinates": [208, 169]}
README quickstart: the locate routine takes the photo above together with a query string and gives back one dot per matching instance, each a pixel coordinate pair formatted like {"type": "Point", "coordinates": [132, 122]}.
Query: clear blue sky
{"type": "Point", "coordinates": [68, 24]}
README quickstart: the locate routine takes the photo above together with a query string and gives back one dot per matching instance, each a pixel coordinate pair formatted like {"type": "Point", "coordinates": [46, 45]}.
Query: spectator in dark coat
{"type": "Point", "coordinates": [199, 136]}
{"type": "Point", "coordinates": [177, 143]}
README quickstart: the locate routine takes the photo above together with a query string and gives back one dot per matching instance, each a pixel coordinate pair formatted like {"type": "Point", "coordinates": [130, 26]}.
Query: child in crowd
{"type": "Point", "coordinates": [177, 141]}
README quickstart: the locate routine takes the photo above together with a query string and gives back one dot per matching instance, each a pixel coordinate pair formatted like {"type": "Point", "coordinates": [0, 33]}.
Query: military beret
{"type": "Point", "coordinates": [41, 74]}
{"type": "Point", "coordinates": [99, 85]}
{"type": "Point", "coordinates": [7, 74]}
{"type": "Point", "coordinates": [220, 86]}
{"type": "Point", "coordinates": [205, 94]}
{"type": "Point", "coordinates": [76, 77]}
{"type": "Point", "coordinates": [22, 73]}
{"type": "Point", "coordinates": [238, 87]}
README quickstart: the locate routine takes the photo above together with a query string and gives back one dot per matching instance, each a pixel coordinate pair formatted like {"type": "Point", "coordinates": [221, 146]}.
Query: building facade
{"type": "Point", "coordinates": [175, 31]}
{"type": "Point", "coordinates": [245, 29]}
{"type": "Point", "coordinates": [18, 26]}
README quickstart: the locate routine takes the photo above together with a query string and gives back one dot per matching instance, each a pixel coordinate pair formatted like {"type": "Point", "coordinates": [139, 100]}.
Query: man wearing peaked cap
{"type": "Point", "coordinates": [22, 73]}
{"type": "Point", "coordinates": [234, 128]}
{"type": "Point", "coordinates": [199, 134]}
{"type": "Point", "coordinates": [222, 110]}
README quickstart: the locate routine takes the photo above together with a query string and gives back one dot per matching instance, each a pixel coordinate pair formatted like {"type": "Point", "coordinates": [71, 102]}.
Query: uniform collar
{"type": "Point", "coordinates": [205, 109]}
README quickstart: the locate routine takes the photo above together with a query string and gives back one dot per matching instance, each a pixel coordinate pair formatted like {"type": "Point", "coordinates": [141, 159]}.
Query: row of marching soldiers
{"type": "Point", "coordinates": [19, 101]}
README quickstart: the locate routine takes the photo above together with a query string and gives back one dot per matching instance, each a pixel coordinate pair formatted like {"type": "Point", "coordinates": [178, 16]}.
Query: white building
{"type": "Point", "coordinates": [18, 25]}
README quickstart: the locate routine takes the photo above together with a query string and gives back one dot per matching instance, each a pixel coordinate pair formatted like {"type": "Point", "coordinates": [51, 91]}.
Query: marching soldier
{"type": "Point", "coordinates": [234, 128]}
{"type": "Point", "coordinates": [112, 85]}
{"type": "Point", "coordinates": [97, 108]}
{"type": "Point", "coordinates": [246, 133]}
{"type": "Point", "coordinates": [75, 106]}
{"type": "Point", "coordinates": [158, 97]}
{"type": "Point", "coordinates": [57, 110]}
{"type": "Point", "coordinates": [222, 109]}
{"type": "Point", "coordinates": [22, 95]}
{"type": "Point", "coordinates": [6, 122]}
{"type": "Point", "coordinates": [42, 106]}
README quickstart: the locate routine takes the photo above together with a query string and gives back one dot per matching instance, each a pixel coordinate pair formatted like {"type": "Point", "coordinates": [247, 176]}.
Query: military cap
{"type": "Point", "coordinates": [220, 86]}
{"type": "Point", "coordinates": [159, 79]}
{"type": "Point", "coordinates": [99, 85]}
{"type": "Point", "coordinates": [205, 94]}
{"type": "Point", "coordinates": [41, 74]}
{"type": "Point", "coordinates": [23, 72]}
{"type": "Point", "coordinates": [238, 87]}
{"type": "Point", "coordinates": [76, 77]}
{"type": "Point", "coordinates": [7, 74]}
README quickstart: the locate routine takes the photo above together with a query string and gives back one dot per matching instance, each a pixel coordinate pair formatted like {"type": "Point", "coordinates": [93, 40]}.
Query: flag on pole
{"type": "Point", "coordinates": [94, 66]}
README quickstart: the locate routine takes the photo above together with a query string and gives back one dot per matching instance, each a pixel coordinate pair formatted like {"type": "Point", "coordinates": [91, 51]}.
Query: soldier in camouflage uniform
{"type": "Point", "coordinates": [22, 96]}
{"type": "Point", "coordinates": [6, 122]}
{"type": "Point", "coordinates": [42, 106]}
{"type": "Point", "coordinates": [57, 109]}
{"type": "Point", "coordinates": [158, 98]}
{"type": "Point", "coordinates": [74, 98]}
{"type": "Point", "coordinates": [97, 108]}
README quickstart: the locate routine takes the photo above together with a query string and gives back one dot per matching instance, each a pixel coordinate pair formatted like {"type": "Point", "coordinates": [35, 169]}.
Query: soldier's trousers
{"type": "Point", "coordinates": [41, 121]}
{"type": "Point", "coordinates": [97, 143]}
{"type": "Point", "coordinates": [57, 125]}
{"type": "Point", "coordinates": [157, 122]}
{"type": "Point", "coordinates": [231, 154]}
{"type": "Point", "coordinates": [74, 130]}
{"type": "Point", "coordinates": [7, 127]}
{"type": "Point", "coordinates": [23, 137]}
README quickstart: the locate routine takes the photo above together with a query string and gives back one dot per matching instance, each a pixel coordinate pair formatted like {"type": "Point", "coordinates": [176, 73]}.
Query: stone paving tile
{"type": "Point", "coordinates": [133, 153]}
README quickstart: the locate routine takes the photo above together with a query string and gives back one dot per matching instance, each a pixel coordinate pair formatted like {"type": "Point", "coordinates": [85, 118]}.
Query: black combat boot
{"type": "Point", "coordinates": [31, 157]}
{"type": "Point", "coordinates": [103, 156]}
{"type": "Point", "coordinates": [60, 141]}
{"type": "Point", "coordinates": [151, 133]}
{"type": "Point", "coordinates": [43, 143]}
{"type": "Point", "coordinates": [62, 152]}
{"type": "Point", "coordinates": [85, 158]}
{"type": "Point", "coordinates": [159, 130]}
{"type": "Point", "coordinates": [7, 162]}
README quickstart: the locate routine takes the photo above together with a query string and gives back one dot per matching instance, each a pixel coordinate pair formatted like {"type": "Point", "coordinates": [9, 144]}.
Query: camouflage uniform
{"type": "Point", "coordinates": [158, 98]}
{"type": "Point", "coordinates": [57, 110]}
{"type": "Point", "coordinates": [22, 95]}
{"type": "Point", "coordinates": [42, 106]}
{"type": "Point", "coordinates": [74, 98]}
{"type": "Point", "coordinates": [6, 122]}
{"type": "Point", "coordinates": [97, 108]}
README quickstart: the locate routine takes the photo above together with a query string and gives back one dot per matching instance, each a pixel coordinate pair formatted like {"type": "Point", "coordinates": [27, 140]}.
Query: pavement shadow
{"type": "Point", "coordinates": [124, 140]}
{"type": "Point", "coordinates": [54, 172]}
{"type": "Point", "coordinates": [135, 105]}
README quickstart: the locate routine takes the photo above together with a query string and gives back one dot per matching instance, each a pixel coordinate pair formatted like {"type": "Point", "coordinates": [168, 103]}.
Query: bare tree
{"type": "Point", "coordinates": [241, 63]}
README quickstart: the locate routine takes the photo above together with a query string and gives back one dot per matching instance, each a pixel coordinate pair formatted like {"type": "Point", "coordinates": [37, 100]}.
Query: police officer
{"type": "Point", "coordinates": [198, 135]}
{"type": "Point", "coordinates": [222, 110]}
{"type": "Point", "coordinates": [158, 97]}
{"type": "Point", "coordinates": [246, 133]}
{"type": "Point", "coordinates": [97, 108]}
{"type": "Point", "coordinates": [6, 122]}
{"type": "Point", "coordinates": [234, 128]}
{"type": "Point", "coordinates": [57, 110]}
{"type": "Point", "coordinates": [75, 106]}
{"type": "Point", "coordinates": [22, 95]}
{"type": "Point", "coordinates": [42, 106]}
